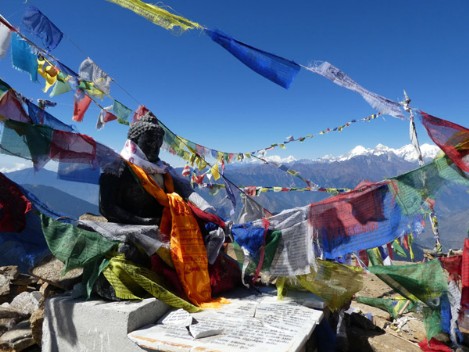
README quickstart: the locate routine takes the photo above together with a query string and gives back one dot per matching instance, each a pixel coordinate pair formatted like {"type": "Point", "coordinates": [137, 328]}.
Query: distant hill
{"type": "Point", "coordinates": [59, 200]}
{"type": "Point", "coordinates": [44, 177]}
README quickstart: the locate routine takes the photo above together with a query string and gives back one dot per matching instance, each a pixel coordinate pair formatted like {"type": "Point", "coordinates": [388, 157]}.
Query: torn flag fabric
{"type": "Point", "coordinates": [453, 139]}
{"type": "Point", "coordinates": [90, 72]}
{"type": "Point", "coordinates": [22, 57]}
{"type": "Point", "coordinates": [382, 104]}
{"type": "Point", "coordinates": [157, 15]}
{"type": "Point", "coordinates": [81, 104]}
{"type": "Point", "coordinates": [104, 117]}
{"type": "Point", "coordinates": [72, 147]}
{"type": "Point", "coordinates": [37, 23]}
{"type": "Point", "coordinates": [5, 39]}
{"type": "Point", "coordinates": [141, 110]}
{"type": "Point", "coordinates": [272, 67]}
{"type": "Point", "coordinates": [48, 72]}
{"type": "Point", "coordinates": [11, 108]}
{"type": "Point", "coordinates": [42, 117]}
{"type": "Point", "coordinates": [122, 112]}
{"type": "Point", "coordinates": [366, 217]}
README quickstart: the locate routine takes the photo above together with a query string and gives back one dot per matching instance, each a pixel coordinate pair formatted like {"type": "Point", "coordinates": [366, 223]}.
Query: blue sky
{"type": "Point", "coordinates": [204, 94]}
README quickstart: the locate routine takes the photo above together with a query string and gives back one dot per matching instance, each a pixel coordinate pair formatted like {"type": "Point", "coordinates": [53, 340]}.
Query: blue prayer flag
{"type": "Point", "coordinates": [272, 67]}
{"type": "Point", "coordinates": [22, 56]}
{"type": "Point", "coordinates": [37, 23]}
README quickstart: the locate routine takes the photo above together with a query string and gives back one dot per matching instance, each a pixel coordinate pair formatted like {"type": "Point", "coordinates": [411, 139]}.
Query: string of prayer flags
{"type": "Point", "coordinates": [22, 56]}
{"type": "Point", "coordinates": [5, 39]}
{"type": "Point", "coordinates": [452, 138]}
{"type": "Point", "coordinates": [105, 116]}
{"type": "Point", "coordinates": [122, 112]}
{"type": "Point", "coordinates": [38, 24]}
{"type": "Point", "coordinates": [272, 67]}
{"type": "Point", "coordinates": [378, 102]}
{"type": "Point", "coordinates": [157, 15]}
{"type": "Point", "coordinates": [90, 72]}
{"type": "Point", "coordinates": [81, 104]}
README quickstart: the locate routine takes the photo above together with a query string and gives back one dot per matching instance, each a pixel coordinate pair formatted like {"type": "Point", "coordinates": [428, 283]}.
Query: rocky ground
{"type": "Point", "coordinates": [22, 297]}
{"type": "Point", "coordinates": [22, 302]}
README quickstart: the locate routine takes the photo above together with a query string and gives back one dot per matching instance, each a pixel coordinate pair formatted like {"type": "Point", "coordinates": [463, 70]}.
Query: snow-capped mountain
{"type": "Point", "coordinates": [407, 153]}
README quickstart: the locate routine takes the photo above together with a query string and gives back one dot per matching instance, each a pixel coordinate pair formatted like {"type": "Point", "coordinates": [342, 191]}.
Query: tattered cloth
{"type": "Point", "coordinates": [366, 217]}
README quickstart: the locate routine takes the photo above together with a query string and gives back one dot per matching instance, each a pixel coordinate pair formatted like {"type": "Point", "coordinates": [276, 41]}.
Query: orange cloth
{"type": "Point", "coordinates": [188, 251]}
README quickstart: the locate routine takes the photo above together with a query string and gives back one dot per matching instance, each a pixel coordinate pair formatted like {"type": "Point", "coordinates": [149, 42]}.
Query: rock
{"type": "Point", "coordinates": [50, 270]}
{"type": "Point", "coordinates": [8, 312]}
{"type": "Point", "coordinates": [4, 288]}
{"type": "Point", "coordinates": [18, 338]}
{"type": "Point", "coordinates": [10, 271]}
{"type": "Point", "coordinates": [27, 302]}
{"type": "Point", "coordinates": [36, 321]}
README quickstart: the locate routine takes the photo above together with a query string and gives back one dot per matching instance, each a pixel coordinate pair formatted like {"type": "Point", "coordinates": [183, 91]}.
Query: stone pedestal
{"type": "Point", "coordinates": [78, 325]}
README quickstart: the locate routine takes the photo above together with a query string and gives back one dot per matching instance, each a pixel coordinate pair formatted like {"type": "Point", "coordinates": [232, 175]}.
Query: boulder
{"type": "Point", "coordinates": [18, 338]}
{"type": "Point", "coordinates": [27, 302]}
{"type": "Point", "coordinates": [51, 270]}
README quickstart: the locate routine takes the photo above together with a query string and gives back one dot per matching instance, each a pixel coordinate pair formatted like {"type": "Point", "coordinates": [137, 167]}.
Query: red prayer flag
{"type": "Point", "coordinates": [82, 102]}
{"type": "Point", "coordinates": [453, 139]}
{"type": "Point", "coordinates": [141, 110]}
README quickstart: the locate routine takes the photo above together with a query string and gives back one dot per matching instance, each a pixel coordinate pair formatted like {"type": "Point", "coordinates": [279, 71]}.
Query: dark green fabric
{"type": "Point", "coordinates": [425, 281]}
{"type": "Point", "coordinates": [73, 246]}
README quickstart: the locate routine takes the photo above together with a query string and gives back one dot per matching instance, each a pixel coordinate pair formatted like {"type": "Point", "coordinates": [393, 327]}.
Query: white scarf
{"type": "Point", "coordinates": [133, 154]}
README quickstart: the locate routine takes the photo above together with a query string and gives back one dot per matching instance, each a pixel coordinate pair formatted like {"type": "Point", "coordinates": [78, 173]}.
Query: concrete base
{"type": "Point", "coordinates": [77, 325]}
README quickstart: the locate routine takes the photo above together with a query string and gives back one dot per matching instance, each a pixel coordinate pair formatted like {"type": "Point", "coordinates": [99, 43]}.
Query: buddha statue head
{"type": "Point", "coordinates": [148, 135]}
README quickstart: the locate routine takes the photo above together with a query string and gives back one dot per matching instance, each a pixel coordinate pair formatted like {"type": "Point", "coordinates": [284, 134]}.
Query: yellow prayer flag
{"type": "Point", "coordinates": [49, 73]}
{"type": "Point", "coordinates": [157, 15]}
{"type": "Point", "coordinates": [215, 172]}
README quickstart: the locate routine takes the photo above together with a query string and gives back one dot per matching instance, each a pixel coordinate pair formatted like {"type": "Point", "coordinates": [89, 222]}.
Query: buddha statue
{"type": "Point", "coordinates": [122, 199]}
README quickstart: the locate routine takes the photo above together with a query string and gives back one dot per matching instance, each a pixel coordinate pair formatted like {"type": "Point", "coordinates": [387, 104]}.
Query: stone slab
{"type": "Point", "coordinates": [255, 323]}
{"type": "Point", "coordinates": [95, 325]}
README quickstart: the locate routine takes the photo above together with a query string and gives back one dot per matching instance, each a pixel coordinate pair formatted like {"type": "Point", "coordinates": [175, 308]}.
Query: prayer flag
{"type": "Point", "coordinates": [48, 72]}
{"type": "Point", "coordinates": [382, 104]}
{"type": "Point", "coordinates": [22, 56]}
{"type": "Point", "coordinates": [272, 67]}
{"type": "Point", "coordinates": [90, 72]}
{"type": "Point", "coordinates": [364, 218]}
{"type": "Point", "coordinates": [157, 15]}
{"type": "Point", "coordinates": [11, 108]}
{"type": "Point", "coordinates": [60, 87]}
{"type": "Point", "coordinates": [141, 110]}
{"type": "Point", "coordinates": [81, 104]}
{"type": "Point", "coordinates": [215, 172]}
{"type": "Point", "coordinates": [72, 147]}
{"type": "Point", "coordinates": [42, 117]}
{"type": "Point", "coordinates": [122, 112]}
{"type": "Point", "coordinates": [37, 23]}
{"type": "Point", "coordinates": [105, 116]}
{"type": "Point", "coordinates": [453, 139]}
{"type": "Point", "coordinates": [5, 39]}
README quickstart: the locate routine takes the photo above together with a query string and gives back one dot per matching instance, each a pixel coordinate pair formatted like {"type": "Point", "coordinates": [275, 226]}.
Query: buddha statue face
{"type": "Point", "coordinates": [148, 135]}
{"type": "Point", "coordinates": [150, 143]}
